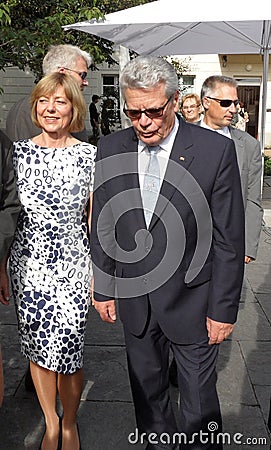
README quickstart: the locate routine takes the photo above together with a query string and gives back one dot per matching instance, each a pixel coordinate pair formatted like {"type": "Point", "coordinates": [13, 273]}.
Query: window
{"type": "Point", "coordinates": [187, 84]}
{"type": "Point", "coordinates": [111, 97]}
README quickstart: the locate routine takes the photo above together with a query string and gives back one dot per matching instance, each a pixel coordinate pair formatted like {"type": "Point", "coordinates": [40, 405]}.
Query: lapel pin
{"type": "Point", "coordinates": [182, 158]}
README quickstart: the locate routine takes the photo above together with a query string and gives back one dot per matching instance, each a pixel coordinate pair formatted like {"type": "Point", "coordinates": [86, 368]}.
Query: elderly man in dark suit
{"type": "Point", "coordinates": [9, 210]}
{"type": "Point", "coordinates": [168, 242]}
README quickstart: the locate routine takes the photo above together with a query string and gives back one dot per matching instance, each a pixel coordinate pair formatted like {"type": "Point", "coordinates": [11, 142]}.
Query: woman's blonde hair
{"type": "Point", "coordinates": [48, 85]}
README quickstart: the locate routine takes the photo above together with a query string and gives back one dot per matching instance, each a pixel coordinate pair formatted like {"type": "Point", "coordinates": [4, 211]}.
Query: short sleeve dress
{"type": "Point", "coordinates": [50, 263]}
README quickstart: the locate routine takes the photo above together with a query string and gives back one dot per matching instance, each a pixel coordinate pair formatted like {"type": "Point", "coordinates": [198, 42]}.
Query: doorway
{"type": "Point", "coordinates": [249, 93]}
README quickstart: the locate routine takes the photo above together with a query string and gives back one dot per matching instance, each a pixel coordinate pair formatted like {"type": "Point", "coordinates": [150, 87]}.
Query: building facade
{"type": "Point", "coordinates": [16, 84]}
{"type": "Point", "coordinates": [247, 69]}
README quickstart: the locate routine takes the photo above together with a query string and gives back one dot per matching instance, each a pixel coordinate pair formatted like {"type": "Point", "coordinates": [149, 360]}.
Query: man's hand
{"type": "Point", "coordinates": [218, 331]}
{"type": "Point", "coordinates": [248, 259]}
{"type": "Point", "coordinates": [4, 287]}
{"type": "Point", "coordinates": [107, 310]}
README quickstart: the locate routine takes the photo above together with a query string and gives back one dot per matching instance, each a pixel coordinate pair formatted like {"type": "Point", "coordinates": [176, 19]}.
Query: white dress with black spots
{"type": "Point", "coordinates": [50, 257]}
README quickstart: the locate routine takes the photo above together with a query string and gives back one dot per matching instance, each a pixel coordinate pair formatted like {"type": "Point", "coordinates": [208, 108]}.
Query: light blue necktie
{"type": "Point", "coordinates": [151, 185]}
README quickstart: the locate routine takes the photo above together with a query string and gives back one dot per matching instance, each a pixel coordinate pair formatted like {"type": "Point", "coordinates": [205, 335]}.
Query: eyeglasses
{"type": "Point", "coordinates": [190, 107]}
{"type": "Point", "coordinates": [224, 103]}
{"type": "Point", "coordinates": [152, 113]}
{"type": "Point", "coordinates": [83, 75]}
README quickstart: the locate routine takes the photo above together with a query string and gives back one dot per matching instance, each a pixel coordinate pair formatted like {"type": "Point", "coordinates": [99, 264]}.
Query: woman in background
{"type": "Point", "coordinates": [191, 108]}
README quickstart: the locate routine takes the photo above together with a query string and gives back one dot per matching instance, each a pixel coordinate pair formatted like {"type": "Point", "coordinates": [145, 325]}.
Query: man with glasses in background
{"type": "Point", "coordinates": [191, 108]}
{"type": "Point", "coordinates": [159, 185]}
{"type": "Point", "coordinates": [59, 58]}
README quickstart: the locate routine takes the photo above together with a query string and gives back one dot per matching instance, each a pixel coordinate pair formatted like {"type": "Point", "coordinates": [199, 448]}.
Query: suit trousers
{"type": "Point", "coordinates": [148, 365]}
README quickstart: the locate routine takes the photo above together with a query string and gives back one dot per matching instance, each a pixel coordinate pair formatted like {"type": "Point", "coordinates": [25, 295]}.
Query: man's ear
{"type": "Point", "coordinates": [205, 102]}
{"type": "Point", "coordinates": [176, 99]}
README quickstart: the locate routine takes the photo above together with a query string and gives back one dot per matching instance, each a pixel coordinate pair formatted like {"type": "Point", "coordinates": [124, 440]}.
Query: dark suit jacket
{"type": "Point", "coordinates": [9, 203]}
{"type": "Point", "coordinates": [195, 266]}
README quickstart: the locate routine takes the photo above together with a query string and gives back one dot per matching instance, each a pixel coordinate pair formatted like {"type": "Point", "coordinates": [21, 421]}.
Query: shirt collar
{"type": "Point", "coordinates": [224, 131]}
{"type": "Point", "coordinates": [167, 143]}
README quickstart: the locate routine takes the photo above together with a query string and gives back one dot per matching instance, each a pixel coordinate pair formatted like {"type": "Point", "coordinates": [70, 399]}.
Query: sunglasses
{"type": "Point", "coordinates": [83, 75]}
{"type": "Point", "coordinates": [224, 103]}
{"type": "Point", "coordinates": [152, 113]}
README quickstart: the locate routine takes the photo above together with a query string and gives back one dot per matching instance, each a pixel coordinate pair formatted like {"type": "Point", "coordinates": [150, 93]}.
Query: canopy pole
{"type": "Point", "coordinates": [124, 57]}
{"type": "Point", "coordinates": [264, 95]}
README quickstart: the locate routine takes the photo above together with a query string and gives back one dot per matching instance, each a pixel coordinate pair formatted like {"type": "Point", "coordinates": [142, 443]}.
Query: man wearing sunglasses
{"type": "Point", "coordinates": [159, 186]}
{"type": "Point", "coordinates": [59, 58]}
{"type": "Point", "coordinates": [220, 101]}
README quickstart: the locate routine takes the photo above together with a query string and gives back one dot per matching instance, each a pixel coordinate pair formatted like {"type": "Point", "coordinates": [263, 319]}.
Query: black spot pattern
{"type": "Point", "coordinates": [50, 257]}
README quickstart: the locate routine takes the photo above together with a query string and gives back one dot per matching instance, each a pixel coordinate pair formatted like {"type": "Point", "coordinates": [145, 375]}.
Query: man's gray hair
{"type": "Point", "coordinates": [146, 72]}
{"type": "Point", "coordinates": [64, 55]}
{"type": "Point", "coordinates": [211, 84]}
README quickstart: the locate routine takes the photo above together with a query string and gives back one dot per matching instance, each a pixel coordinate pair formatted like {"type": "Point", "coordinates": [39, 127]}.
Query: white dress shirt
{"type": "Point", "coordinates": [224, 131]}
{"type": "Point", "coordinates": [163, 155]}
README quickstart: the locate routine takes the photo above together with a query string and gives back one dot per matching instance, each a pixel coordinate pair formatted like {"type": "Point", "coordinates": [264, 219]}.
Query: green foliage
{"type": "Point", "coordinates": [267, 166]}
{"type": "Point", "coordinates": [29, 27]}
{"type": "Point", "coordinates": [181, 66]}
{"type": "Point", "coordinates": [109, 6]}
{"type": "Point", "coordinates": [4, 15]}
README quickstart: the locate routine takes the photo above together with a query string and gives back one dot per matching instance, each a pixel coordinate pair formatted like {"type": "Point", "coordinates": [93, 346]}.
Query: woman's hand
{"type": "Point", "coordinates": [4, 286]}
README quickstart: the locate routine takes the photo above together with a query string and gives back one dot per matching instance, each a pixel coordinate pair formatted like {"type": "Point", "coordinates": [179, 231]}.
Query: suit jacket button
{"type": "Point", "coordinates": [145, 280]}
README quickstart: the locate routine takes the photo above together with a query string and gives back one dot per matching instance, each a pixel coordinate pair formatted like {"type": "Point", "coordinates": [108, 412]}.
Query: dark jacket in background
{"type": "Point", "coordinates": [9, 203]}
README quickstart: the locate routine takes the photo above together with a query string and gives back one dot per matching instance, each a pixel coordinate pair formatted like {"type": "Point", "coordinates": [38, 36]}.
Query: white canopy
{"type": "Point", "coordinates": [171, 27]}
